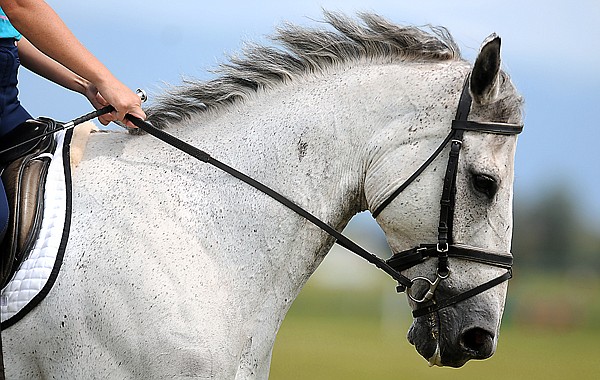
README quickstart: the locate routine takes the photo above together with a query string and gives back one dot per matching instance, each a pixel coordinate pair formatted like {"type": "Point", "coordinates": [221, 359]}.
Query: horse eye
{"type": "Point", "coordinates": [485, 184]}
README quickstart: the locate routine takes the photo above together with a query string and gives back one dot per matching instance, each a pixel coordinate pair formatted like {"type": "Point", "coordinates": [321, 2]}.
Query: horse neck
{"type": "Point", "coordinates": [312, 141]}
{"type": "Point", "coordinates": [311, 149]}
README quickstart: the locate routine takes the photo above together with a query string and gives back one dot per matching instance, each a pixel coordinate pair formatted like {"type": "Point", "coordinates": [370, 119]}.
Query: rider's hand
{"type": "Point", "coordinates": [120, 97]}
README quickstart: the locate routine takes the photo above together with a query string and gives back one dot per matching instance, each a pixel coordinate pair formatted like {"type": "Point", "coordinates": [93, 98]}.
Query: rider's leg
{"type": "Point", "coordinates": [11, 112]}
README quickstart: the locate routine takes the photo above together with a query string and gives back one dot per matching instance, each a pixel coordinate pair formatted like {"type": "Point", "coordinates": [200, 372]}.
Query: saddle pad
{"type": "Point", "coordinates": [36, 275]}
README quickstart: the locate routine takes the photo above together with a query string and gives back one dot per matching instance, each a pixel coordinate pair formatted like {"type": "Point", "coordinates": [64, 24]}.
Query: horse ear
{"type": "Point", "coordinates": [484, 77]}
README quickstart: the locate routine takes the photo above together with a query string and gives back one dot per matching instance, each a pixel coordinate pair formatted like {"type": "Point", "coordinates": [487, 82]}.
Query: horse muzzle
{"type": "Point", "coordinates": [453, 336]}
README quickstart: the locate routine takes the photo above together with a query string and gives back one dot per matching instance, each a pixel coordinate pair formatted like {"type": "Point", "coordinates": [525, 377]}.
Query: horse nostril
{"type": "Point", "coordinates": [479, 341]}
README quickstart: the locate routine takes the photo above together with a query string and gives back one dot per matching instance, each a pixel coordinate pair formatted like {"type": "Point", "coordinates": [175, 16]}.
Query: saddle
{"type": "Point", "coordinates": [24, 170]}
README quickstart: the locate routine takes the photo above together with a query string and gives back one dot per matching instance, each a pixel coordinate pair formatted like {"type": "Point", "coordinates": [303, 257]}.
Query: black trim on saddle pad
{"type": "Point", "coordinates": [63, 243]}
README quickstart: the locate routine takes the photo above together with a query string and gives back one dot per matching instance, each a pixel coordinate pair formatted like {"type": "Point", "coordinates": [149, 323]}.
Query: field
{"type": "Point", "coordinates": [550, 331]}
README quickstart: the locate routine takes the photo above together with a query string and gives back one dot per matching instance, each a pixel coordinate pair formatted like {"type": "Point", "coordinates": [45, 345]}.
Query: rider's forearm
{"type": "Point", "coordinates": [44, 28]}
{"type": "Point", "coordinates": [48, 33]}
{"type": "Point", "coordinates": [41, 64]}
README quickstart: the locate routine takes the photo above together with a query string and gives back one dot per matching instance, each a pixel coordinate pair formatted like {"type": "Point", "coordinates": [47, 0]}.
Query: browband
{"type": "Point", "coordinates": [495, 128]}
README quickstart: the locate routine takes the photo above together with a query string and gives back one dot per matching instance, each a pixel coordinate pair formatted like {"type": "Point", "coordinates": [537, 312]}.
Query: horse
{"type": "Point", "coordinates": [174, 269]}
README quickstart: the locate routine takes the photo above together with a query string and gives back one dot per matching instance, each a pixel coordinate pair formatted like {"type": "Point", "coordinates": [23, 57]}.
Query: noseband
{"type": "Point", "coordinates": [444, 248]}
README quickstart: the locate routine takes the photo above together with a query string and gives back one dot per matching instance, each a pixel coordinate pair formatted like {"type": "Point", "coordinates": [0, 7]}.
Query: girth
{"type": "Point", "coordinates": [24, 171]}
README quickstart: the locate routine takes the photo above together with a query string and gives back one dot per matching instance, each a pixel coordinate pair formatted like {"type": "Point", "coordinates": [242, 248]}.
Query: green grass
{"type": "Point", "coordinates": [325, 349]}
{"type": "Point", "coordinates": [340, 335]}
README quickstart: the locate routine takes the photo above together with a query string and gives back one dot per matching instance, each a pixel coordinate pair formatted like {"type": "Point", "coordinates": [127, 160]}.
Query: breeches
{"type": "Point", "coordinates": [12, 112]}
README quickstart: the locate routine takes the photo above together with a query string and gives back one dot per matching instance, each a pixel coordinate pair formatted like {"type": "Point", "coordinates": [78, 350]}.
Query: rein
{"type": "Point", "coordinates": [442, 250]}
{"type": "Point", "coordinates": [341, 239]}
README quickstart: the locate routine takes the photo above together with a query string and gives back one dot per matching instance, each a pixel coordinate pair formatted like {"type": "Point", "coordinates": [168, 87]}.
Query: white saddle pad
{"type": "Point", "coordinates": [36, 275]}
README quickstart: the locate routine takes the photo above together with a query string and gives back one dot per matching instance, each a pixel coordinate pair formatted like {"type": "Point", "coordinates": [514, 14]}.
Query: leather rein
{"type": "Point", "coordinates": [442, 250]}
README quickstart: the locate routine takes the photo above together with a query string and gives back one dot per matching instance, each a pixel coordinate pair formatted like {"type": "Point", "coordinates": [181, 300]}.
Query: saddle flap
{"type": "Point", "coordinates": [24, 181]}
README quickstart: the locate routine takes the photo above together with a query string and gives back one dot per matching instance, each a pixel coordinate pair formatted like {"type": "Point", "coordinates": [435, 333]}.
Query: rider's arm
{"type": "Point", "coordinates": [41, 64]}
{"type": "Point", "coordinates": [47, 32]}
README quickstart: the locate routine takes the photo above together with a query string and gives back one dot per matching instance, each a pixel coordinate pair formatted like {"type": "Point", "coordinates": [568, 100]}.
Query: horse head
{"type": "Point", "coordinates": [458, 299]}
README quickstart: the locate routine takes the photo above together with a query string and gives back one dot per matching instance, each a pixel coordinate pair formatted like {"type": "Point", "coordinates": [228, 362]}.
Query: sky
{"type": "Point", "coordinates": [550, 49]}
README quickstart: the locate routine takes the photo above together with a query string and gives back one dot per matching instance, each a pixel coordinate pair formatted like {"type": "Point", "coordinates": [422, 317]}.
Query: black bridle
{"type": "Point", "coordinates": [444, 248]}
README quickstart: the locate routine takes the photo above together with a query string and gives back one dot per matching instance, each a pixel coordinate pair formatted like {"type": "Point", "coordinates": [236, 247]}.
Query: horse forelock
{"type": "Point", "coordinates": [299, 51]}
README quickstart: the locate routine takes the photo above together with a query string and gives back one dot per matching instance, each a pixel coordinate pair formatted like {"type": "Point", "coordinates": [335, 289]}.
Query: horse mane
{"type": "Point", "coordinates": [303, 51]}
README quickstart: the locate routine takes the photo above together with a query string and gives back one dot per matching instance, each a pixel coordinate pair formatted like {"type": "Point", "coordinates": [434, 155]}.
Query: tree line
{"type": "Point", "coordinates": [552, 234]}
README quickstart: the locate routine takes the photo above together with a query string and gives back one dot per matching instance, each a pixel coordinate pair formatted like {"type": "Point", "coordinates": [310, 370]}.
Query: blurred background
{"type": "Point", "coordinates": [348, 322]}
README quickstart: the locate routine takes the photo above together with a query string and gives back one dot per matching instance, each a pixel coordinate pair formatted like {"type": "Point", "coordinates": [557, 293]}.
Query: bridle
{"type": "Point", "coordinates": [444, 248]}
